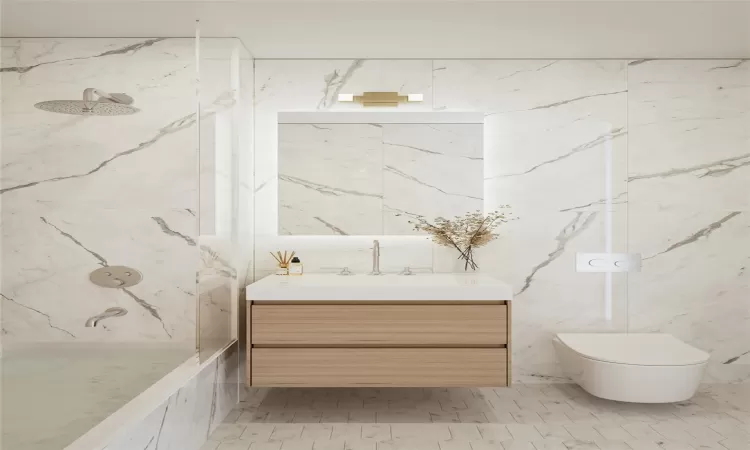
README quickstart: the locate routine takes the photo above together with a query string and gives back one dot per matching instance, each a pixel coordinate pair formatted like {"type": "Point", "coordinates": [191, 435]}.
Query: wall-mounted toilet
{"type": "Point", "coordinates": [639, 368]}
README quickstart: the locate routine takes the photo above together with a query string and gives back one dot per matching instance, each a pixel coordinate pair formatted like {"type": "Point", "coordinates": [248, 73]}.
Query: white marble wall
{"type": "Point", "coordinates": [373, 178]}
{"type": "Point", "coordinates": [82, 192]}
{"type": "Point", "coordinates": [330, 179]}
{"type": "Point", "coordinates": [689, 206]}
{"type": "Point", "coordinates": [549, 128]}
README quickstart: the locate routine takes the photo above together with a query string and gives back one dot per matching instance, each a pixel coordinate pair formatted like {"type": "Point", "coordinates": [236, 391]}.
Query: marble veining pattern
{"type": "Point", "coordinates": [676, 135]}
{"type": "Point", "coordinates": [81, 192]}
{"type": "Point", "coordinates": [190, 415]}
{"type": "Point", "coordinates": [689, 135]}
{"type": "Point", "coordinates": [548, 127]}
{"type": "Point", "coordinates": [688, 205]}
{"type": "Point", "coordinates": [78, 194]}
{"type": "Point", "coordinates": [330, 179]}
{"type": "Point", "coordinates": [369, 179]}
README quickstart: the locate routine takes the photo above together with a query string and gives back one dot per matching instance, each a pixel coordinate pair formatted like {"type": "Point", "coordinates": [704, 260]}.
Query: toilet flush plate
{"type": "Point", "coordinates": [608, 262]}
{"type": "Point", "coordinates": [115, 277]}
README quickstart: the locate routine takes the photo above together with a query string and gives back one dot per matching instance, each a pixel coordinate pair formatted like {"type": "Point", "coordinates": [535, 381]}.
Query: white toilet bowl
{"type": "Point", "coordinates": [639, 368]}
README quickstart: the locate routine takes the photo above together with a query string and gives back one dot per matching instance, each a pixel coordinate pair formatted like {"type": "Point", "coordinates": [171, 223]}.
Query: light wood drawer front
{"type": "Point", "coordinates": [398, 367]}
{"type": "Point", "coordinates": [379, 325]}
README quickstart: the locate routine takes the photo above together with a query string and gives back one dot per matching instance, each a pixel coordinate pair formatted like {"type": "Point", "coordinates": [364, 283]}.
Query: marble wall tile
{"type": "Point", "coordinates": [371, 179]}
{"type": "Point", "coordinates": [548, 128]}
{"type": "Point", "coordinates": [537, 254]}
{"type": "Point", "coordinates": [49, 254]}
{"type": "Point", "coordinates": [80, 192]}
{"type": "Point", "coordinates": [432, 171]}
{"type": "Point", "coordinates": [688, 200]}
{"type": "Point", "coordinates": [330, 179]}
{"type": "Point", "coordinates": [689, 123]}
{"type": "Point", "coordinates": [694, 283]}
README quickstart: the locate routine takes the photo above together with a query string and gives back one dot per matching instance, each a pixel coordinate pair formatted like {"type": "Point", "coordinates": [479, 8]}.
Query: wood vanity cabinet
{"type": "Point", "coordinates": [394, 343]}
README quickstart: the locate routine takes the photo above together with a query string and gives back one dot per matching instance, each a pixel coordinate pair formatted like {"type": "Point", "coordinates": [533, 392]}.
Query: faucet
{"type": "Point", "coordinates": [109, 312]}
{"type": "Point", "coordinates": [375, 258]}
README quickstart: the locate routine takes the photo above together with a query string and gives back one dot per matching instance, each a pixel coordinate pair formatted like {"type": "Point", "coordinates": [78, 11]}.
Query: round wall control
{"type": "Point", "coordinates": [115, 277]}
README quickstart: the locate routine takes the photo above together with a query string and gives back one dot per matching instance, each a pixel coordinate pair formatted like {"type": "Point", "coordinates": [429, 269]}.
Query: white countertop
{"type": "Point", "coordinates": [421, 287]}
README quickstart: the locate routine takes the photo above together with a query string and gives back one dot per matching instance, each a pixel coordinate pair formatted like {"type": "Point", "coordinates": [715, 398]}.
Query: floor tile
{"type": "Point", "coordinates": [326, 444]}
{"type": "Point", "coordinates": [257, 432]}
{"type": "Point", "coordinates": [443, 416]}
{"type": "Point", "coordinates": [265, 445]}
{"type": "Point", "coordinates": [228, 431]}
{"type": "Point", "coordinates": [540, 417]}
{"type": "Point", "coordinates": [359, 444]}
{"type": "Point", "coordinates": [518, 445]}
{"type": "Point", "coordinates": [346, 431]}
{"type": "Point", "coordinates": [420, 432]}
{"type": "Point", "coordinates": [376, 432]}
{"type": "Point", "coordinates": [297, 444]}
{"type": "Point", "coordinates": [523, 432]}
{"type": "Point", "coordinates": [549, 444]}
{"type": "Point", "coordinates": [286, 432]}
{"type": "Point", "coordinates": [583, 432]}
{"type": "Point", "coordinates": [613, 432]}
{"type": "Point", "coordinates": [455, 445]}
{"type": "Point", "coordinates": [553, 431]}
{"type": "Point", "coordinates": [316, 431]}
{"type": "Point", "coordinates": [465, 432]}
{"type": "Point", "coordinates": [210, 445]}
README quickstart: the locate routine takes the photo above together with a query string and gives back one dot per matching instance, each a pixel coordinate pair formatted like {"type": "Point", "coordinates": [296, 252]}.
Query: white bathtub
{"type": "Point", "coordinates": [91, 396]}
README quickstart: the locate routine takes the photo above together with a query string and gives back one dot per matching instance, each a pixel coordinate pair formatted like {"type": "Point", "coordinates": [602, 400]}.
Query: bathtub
{"type": "Point", "coordinates": [95, 396]}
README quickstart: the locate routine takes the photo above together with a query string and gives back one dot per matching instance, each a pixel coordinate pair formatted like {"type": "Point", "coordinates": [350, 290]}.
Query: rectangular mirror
{"type": "Point", "coordinates": [369, 173]}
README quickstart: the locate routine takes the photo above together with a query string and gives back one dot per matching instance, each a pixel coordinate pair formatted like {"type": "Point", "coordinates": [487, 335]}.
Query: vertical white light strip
{"type": "Point", "coordinates": [198, 169]}
{"type": "Point", "coordinates": [235, 76]}
{"type": "Point", "coordinates": [608, 222]}
{"type": "Point", "coordinates": [198, 116]}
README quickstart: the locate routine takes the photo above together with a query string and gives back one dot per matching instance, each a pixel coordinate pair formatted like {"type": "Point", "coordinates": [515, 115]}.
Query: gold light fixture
{"type": "Point", "coordinates": [380, 98]}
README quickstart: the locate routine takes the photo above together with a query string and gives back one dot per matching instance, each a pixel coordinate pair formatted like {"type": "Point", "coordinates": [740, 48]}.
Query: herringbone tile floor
{"type": "Point", "coordinates": [525, 416]}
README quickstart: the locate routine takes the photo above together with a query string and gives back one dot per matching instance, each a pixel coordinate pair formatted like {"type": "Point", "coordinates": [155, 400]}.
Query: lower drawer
{"type": "Point", "coordinates": [397, 367]}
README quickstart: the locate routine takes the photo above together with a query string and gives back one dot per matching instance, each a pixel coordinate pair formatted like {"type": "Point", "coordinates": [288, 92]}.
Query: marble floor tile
{"type": "Point", "coordinates": [710, 421]}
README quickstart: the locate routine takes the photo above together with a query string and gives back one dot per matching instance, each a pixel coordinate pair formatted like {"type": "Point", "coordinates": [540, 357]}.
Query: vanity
{"type": "Point", "coordinates": [426, 330]}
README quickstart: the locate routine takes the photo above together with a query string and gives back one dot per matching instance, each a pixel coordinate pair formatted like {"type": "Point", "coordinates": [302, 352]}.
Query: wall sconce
{"type": "Point", "coordinates": [380, 98]}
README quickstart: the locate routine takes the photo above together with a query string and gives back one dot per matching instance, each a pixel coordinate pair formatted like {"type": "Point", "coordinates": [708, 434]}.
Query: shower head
{"type": "Point", "coordinates": [105, 105]}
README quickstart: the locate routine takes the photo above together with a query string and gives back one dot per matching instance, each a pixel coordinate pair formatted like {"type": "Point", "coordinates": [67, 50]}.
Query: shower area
{"type": "Point", "coordinates": [122, 225]}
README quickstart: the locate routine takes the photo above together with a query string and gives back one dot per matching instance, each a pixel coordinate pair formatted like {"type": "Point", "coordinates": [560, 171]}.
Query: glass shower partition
{"type": "Point", "coordinates": [85, 188]}
{"type": "Point", "coordinates": [225, 105]}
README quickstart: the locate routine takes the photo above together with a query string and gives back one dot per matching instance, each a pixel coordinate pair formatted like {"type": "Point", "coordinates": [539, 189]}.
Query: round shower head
{"type": "Point", "coordinates": [84, 108]}
{"type": "Point", "coordinates": [105, 105]}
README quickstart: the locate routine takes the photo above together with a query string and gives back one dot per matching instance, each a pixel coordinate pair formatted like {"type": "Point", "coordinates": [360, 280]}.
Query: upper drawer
{"type": "Point", "coordinates": [379, 325]}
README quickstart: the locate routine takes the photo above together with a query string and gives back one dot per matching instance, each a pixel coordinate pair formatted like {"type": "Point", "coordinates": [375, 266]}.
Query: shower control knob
{"type": "Point", "coordinates": [115, 277]}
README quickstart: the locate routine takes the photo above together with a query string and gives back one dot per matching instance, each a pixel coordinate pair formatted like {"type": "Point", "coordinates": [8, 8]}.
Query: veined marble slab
{"type": "Point", "coordinates": [424, 287]}
{"type": "Point", "coordinates": [330, 179]}
{"type": "Point", "coordinates": [690, 135]}
{"type": "Point", "coordinates": [373, 178]}
{"type": "Point", "coordinates": [82, 192]}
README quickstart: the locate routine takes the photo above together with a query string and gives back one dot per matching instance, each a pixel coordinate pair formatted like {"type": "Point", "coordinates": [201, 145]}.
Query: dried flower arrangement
{"type": "Point", "coordinates": [464, 233]}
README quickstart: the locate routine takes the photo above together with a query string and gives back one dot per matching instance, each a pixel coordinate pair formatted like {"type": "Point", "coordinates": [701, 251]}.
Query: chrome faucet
{"type": "Point", "coordinates": [109, 312]}
{"type": "Point", "coordinates": [375, 258]}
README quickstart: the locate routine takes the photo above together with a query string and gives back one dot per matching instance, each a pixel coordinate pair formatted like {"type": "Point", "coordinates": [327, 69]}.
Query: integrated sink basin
{"type": "Point", "coordinates": [388, 288]}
